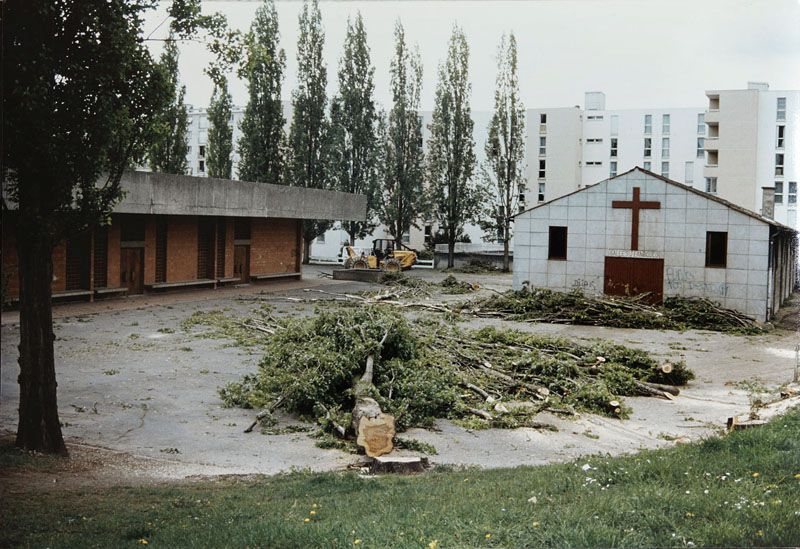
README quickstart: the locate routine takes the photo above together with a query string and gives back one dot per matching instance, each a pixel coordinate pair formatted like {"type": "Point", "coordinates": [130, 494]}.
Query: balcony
{"type": "Point", "coordinates": [711, 144]}
{"type": "Point", "coordinates": [712, 116]}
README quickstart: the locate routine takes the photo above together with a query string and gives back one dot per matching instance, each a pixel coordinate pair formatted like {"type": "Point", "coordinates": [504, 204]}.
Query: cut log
{"type": "Point", "coordinates": [398, 465]}
{"type": "Point", "coordinates": [653, 389]}
{"type": "Point", "coordinates": [374, 430]}
{"type": "Point", "coordinates": [735, 425]}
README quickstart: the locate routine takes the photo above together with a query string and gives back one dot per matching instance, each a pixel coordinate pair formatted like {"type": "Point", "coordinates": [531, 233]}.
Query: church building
{"type": "Point", "coordinates": [642, 233]}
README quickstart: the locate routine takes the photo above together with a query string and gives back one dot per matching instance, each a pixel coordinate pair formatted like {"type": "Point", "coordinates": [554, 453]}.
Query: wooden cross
{"type": "Point", "coordinates": [635, 205]}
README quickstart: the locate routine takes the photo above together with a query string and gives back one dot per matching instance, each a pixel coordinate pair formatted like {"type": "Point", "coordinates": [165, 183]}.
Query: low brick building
{"type": "Point", "coordinates": [173, 231]}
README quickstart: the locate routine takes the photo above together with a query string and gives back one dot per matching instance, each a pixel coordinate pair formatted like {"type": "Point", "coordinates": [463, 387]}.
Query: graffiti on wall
{"type": "Point", "coordinates": [682, 280]}
{"type": "Point", "coordinates": [584, 285]}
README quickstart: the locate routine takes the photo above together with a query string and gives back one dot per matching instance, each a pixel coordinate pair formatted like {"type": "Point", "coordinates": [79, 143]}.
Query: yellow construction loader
{"type": "Point", "coordinates": [384, 256]}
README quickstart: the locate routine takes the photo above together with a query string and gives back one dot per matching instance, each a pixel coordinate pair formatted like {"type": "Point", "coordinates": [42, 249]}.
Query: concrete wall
{"type": "Point", "coordinates": [676, 233]}
{"type": "Point", "coordinates": [154, 193]}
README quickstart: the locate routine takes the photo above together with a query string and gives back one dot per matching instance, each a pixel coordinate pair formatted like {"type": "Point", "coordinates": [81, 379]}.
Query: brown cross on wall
{"type": "Point", "coordinates": [635, 205]}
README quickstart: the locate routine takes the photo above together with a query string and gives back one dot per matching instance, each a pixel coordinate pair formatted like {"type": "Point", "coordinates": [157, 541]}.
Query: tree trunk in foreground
{"type": "Point", "coordinates": [39, 428]}
{"type": "Point", "coordinates": [506, 262]}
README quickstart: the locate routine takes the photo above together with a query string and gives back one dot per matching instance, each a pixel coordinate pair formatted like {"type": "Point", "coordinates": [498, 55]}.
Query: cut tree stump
{"type": "Point", "coordinates": [734, 424]}
{"type": "Point", "coordinates": [376, 434]}
{"type": "Point", "coordinates": [400, 465]}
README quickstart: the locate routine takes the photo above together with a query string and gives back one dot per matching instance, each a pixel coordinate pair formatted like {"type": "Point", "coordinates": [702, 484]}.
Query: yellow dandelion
{"type": "Point", "coordinates": [312, 513]}
{"type": "Point", "coordinates": [143, 542]}
{"type": "Point", "coordinates": [536, 524]}
{"type": "Point", "coordinates": [760, 533]}
{"type": "Point", "coordinates": [689, 514]}
{"type": "Point", "coordinates": [487, 536]}
{"type": "Point", "coordinates": [434, 544]}
{"type": "Point", "coordinates": [356, 542]}
{"type": "Point", "coordinates": [797, 476]}
{"type": "Point", "coordinates": [306, 519]}
{"type": "Point", "coordinates": [314, 506]}
{"type": "Point", "coordinates": [756, 474]}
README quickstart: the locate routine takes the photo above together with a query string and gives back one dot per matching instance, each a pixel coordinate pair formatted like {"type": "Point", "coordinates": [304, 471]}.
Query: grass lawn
{"type": "Point", "coordinates": [740, 490]}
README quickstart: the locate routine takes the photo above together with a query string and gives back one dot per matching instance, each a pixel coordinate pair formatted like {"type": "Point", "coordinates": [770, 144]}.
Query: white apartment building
{"type": "Point", "coordinates": [752, 156]}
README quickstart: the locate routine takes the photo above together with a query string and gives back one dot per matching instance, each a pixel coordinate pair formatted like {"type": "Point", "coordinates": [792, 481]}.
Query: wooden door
{"type": "Point", "coordinates": [241, 262]}
{"type": "Point", "coordinates": [634, 276]}
{"type": "Point", "coordinates": [131, 270]}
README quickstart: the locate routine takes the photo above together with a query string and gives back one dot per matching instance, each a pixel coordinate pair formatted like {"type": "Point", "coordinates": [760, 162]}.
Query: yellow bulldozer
{"type": "Point", "coordinates": [384, 256]}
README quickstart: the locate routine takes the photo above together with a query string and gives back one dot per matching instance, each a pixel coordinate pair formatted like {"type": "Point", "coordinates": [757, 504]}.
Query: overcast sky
{"type": "Point", "coordinates": [641, 53]}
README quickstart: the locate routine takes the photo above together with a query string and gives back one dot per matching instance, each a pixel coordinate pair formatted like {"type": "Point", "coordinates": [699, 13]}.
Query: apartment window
{"type": "Point", "coordinates": [648, 123]}
{"type": "Point", "coordinates": [540, 198]}
{"type": "Point", "coordinates": [542, 146]}
{"type": "Point", "coordinates": [792, 192]}
{"type": "Point", "coordinates": [557, 245]}
{"type": "Point", "coordinates": [779, 164]}
{"type": "Point", "coordinates": [779, 192]}
{"type": "Point", "coordinates": [701, 124]}
{"type": "Point", "coordinates": [189, 149]}
{"type": "Point", "coordinates": [594, 140]}
{"type": "Point", "coordinates": [202, 150]}
{"type": "Point", "coordinates": [781, 132]}
{"type": "Point", "coordinates": [595, 117]}
{"type": "Point", "coordinates": [203, 123]}
{"type": "Point", "coordinates": [542, 118]}
{"type": "Point", "coordinates": [688, 172]}
{"type": "Point", "coordinates": [701, 145]}
{"type": "Point", "coordinates": [614, 147]}
{"type": "Point", "coordinates": [665, 169]}
{"type": "Point", "coordinates": [594, 163]}
{"type": "Point", "coordinates": [648, 166]}
{"type": "Point", "coordinates": [648, 147]}
{"type": "Point", "coordinates": [665, 124]}
{"type": "Point", "coordinates": [201, 166]}
{"type": "Point", "coordinates": [711, 185]}
{"type": "Point", "coordinates": [614, 124]}
{"type": "Point", "coordinates": [321, 239]}
{"type": "Point", "coordinates": [716, 249]}
{"type": "Point", "coordinates": [542, 169]}
{"type": "Point", "coordinates": [612, 170]}
{"type": "Point", "coordinates": [665, 147]}
{"type": "Point", "coordinates": [781, 109]}
{"type": "Point", "coordinates": [406, 238]}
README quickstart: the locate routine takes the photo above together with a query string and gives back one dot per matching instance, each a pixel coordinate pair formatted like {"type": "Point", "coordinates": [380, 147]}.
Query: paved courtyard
{"type": "Point", "coordinates": [132, 381]}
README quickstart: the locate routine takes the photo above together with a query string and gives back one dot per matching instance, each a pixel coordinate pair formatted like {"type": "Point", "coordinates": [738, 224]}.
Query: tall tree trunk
{"type": "Point", "coordinates": [352, 238]}
{"type": "Point", "coordinates": [505, 248]}
{"type": "Point", "coordinates": [39, 428]}
{"type": "Point", "coordinates": [307, 250]}
{"type": "Point", "coordinates": [451, 248]}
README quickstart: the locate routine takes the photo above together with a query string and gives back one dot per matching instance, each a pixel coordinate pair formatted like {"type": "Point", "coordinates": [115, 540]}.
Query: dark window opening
{"type": "Point", "coordinates": [557, 247]}
{"type": "Point", "coordinates": [241, 228]}
{"type": "Point", "coordinates": [77, 268]}
{"type": "Point", "coordinates": [716, 249]}
{"type": "Point", "coordinates": [221, 248]}
{"type": "Point", "coordinates": [101, 257]}
{"type": "Point", "coordinates": [132, 229]}
{"type": "Point", "coordinates": [543, 119]}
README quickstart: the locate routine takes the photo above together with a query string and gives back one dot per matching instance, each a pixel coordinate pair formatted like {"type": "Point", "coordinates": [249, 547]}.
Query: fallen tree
{"type": "Point", "coordinates": [347, 367]}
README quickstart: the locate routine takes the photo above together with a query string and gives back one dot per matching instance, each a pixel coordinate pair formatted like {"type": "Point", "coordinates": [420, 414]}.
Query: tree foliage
{"type": "Point", "coordinates": [261, 146]}
{"type": "Point", "coordinates": [220, 132]}
{"type": "Point", "coordinates": [403, 198]}
{"type": "Point", "coordinates": [170, 143]}
{"type": "Point", "coordinates": [309, 129]}
{"type": "Point", "coordinates": [451, 156]}
{"type": "Point", "coordinates": [81, 95]}
{"type": "Point", "coordinates": [354, 148]}
{"type": "Point", "coordinates": [504, 167]}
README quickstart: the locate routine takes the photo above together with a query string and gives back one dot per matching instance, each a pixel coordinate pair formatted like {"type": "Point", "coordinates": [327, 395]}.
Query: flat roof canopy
{"type": "Point", "coordinates": [167, 194]}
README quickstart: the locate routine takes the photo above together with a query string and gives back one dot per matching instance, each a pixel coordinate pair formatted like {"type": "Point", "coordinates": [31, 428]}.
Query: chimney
{"type": "Point", "coordinates": [768, 202]}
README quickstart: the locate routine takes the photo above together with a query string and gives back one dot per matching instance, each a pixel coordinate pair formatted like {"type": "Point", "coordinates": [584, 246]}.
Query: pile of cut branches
{"type": "Point", "coordinates": [450, 284]}
{"type": "Point", "coordinates": [427, 369]}
{"type": "Point", "coordinates": [676, 313]}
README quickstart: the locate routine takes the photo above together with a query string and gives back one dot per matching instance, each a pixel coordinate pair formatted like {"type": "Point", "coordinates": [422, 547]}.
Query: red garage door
{"type": "Point", "coordinates": [634, 276]}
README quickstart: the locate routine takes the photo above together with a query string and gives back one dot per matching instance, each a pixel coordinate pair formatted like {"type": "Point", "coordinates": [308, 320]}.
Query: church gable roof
{"type": "Point", "coordinates": [683, 186]}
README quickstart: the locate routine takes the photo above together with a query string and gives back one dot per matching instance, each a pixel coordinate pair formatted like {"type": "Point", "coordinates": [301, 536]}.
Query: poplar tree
{"type": "Point", "coordinates": [451, 156]}
{"type": "Point", "coordinates": [170, 144]}
{"type": "Point", "coordinates": [308, 133]}
{"type": "Point", "coordinates": [354, 149]}
{"type": "Point", "coordinates": [220, 132]}
{"type": "Point", "coordinates": [402, 197]}
{"type": "Point", "coordinates": [503, 170]}
{"type": "Point", "coordinates": [261, 146]}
